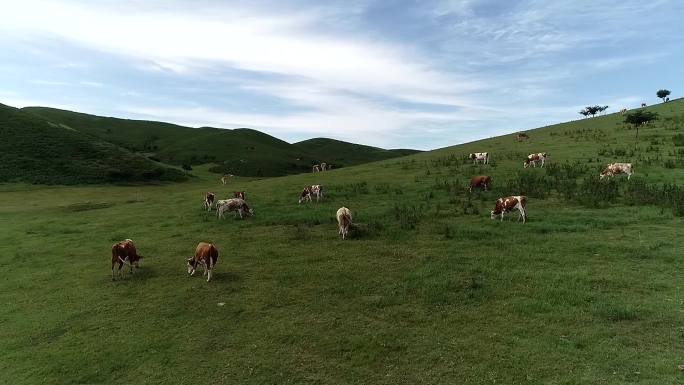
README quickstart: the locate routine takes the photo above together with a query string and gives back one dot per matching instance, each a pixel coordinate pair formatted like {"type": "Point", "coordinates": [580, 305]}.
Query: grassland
{"type": "Point", "coordinates": [242, 151]}
{"type": "Point", "coordinates": [428, 290]}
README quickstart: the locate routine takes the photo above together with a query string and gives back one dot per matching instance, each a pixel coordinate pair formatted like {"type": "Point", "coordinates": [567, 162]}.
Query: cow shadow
{"type": "Point", "coordinates": [140, 274]}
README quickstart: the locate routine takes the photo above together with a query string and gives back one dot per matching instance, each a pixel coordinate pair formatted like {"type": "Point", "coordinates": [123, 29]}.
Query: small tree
{"type": "Point", "coordinates": [639, 118]}
{"type": "Point", "coordinates": [663, 94]}
{"type": "Point", "coordinates": [590, 110]}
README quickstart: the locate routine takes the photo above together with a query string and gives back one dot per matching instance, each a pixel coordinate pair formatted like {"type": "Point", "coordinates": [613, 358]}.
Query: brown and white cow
{"type": "Point", "coordinates": [344, 220]}
{"type": "Point", "coordinates": [508, 204]}
{"type": "Point", "coordinates": [532, 159]}
{"type": "Point", "coordinates": [239, 194]}
{"type": "Point", "coordinates": [208, 201]}
{"type": "Point", "coordinates": [124, 252]}
{"type": "Point", "coordinates": [480, 181]}
{"type": "Point", "coordinates": [235, 204]}
{"type": "Point", "coordinates": [309, 191]}
{"type": "Point", "coordinates": [478, 157]}
{"type": "Point", "coordinates": [206, 255]}
{"type": "Point", "coordinates": [617, 168]}
{"type": "Point", "coordinates": [521, 136]}
{"type": "Point", "coordinates": [316, 168]}
{"type": "Point", "coordinates": [324, 166]}
{"type": "Point", "coordinates": [623, 111]}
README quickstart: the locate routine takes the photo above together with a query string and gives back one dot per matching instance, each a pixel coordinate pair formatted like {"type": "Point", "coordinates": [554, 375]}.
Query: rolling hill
{"type": "Point", "coordinates": [34, 150]}
{"type": "Point", "coordinates": [243, 151]}
{"type": "Point", "coordinates": [428, 289]}
{"type": "Point", "coordinates": [338, 152]}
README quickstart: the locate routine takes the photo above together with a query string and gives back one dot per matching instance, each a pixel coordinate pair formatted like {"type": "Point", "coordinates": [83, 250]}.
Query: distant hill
{"type": "Point", "coordinates": [338, 152]}
{"type": "Point", "coordinates": [34, 150]}
{"type": "Point", "coordinates": [240, 151]}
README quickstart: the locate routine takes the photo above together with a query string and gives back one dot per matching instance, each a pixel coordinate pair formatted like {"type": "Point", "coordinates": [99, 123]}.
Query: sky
{"type": "Point", "coordinates": [392, 74]}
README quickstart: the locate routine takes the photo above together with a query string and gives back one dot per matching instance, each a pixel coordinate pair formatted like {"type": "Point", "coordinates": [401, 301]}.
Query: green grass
{"type": "Point", "coordinates": [242, 151]}
{"type": "Point", "coordinates": [427, 290]}
{"type": "Point", "coordinates": [34, 150]}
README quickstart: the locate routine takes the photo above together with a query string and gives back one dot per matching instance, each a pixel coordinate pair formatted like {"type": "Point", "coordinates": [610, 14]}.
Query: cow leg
{"type": "Point", "coordinates": [113, 264]}
{"type": "Point", "coordinates": [502, 215]}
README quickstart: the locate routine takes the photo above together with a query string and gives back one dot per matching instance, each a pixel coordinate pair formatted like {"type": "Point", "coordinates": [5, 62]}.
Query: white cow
{"type": "Point", "coordinates": [478, 157]}
{"type": "Point", "coordinates": [344, 220]}
{"type": "Point", "coordinates": [235, 204]}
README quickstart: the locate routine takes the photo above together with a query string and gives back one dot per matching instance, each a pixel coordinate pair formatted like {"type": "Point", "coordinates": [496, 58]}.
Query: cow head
{"type": "Point", "coordinates": [191, 265]}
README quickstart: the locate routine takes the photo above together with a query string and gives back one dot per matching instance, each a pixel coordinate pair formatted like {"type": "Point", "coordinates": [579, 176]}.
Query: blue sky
{"type": "Point", "coordinates": [394, 74]}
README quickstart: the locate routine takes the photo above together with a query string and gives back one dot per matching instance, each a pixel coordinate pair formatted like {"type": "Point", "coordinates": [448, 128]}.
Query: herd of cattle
{"type": "Point", "coordinates": [206, 254]}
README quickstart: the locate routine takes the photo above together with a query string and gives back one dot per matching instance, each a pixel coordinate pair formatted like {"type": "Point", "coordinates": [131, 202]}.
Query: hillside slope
{"type": "Point", "coordinates": [242, 151]}
{"type": "Point", "coordinates": [34, 150]}
{"type": "Point", "coordinates": [342, 153]}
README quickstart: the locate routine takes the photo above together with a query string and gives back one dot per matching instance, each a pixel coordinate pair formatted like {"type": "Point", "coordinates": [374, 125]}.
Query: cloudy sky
{"type": "Point", "coordinates": [410, 74]}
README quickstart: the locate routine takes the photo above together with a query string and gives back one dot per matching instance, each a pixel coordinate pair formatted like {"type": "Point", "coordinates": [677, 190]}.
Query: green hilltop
{"type": "Point", "coordinates": [241, 151]}
{"type": "Point", "coordinates": [35, 150]}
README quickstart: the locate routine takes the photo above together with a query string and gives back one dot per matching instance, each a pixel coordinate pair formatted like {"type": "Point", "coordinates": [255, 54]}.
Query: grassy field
{"type": "Point", "coordinates": [240, 151]}
{"type": "Point", "coordinates": [428, 290]}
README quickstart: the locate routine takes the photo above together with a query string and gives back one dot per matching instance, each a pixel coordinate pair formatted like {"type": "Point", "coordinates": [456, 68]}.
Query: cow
{"type": "Point", "coordinates": [623, 111]}
{"type": "Point", "coordinates": [480, 181]}
{"type": "Point", "coordinates": [324, 166]}
{"type": "Point", "coordinates": [508, 204]}
{"type": "Point", "coordinates": [344, 220]}
{"type": "Point", "coordinates": [643, 104]}
{"type": "Point", "coordinates": [208, 201]}
{"type": "Point", "coordinates": [239, 194]}
{"type": "Point", "coordinates": [521, 136]}
{"type": "Point", "coordinates": [206, 255]}
{"type": "Point", "coordinates": [532, 159]}
{"type": "Point", "coordinates": [235, 204]}
{"type": "Point", "coordinates": [224, 179]}
{"type": "Point", "coordinates": [617, 168]}
{"type": "Point", "coordinates": [667, 100]}
{"type": "Point", "coordinates": [316, 168]}
{"type": "Point", "coordinates": [330, 166]}
{"type": "Point", "coordinates": [308, 191]}
{"type": "Point", "coordinates": [124, 252]}
{"type": "Point", "coordinates": [479, 157]}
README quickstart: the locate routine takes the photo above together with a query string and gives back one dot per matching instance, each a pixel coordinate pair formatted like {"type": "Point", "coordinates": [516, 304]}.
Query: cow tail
{"type": "Point", "coordinates": [124, 262]}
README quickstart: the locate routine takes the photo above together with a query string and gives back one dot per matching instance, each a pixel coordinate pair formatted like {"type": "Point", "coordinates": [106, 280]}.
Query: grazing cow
{"type": "Point", "coordinates": [206, 255]}
{"type": "Point", "coordinates": [330, 166]}
{"type": "Point", "coordinates": [224, 179]}
{"type": "Point", "coordinates": [124, 252]}
{"type": "Point", "coordinates": [344, 220]}
{"type": "Point", "coordinates": [308, 191]}
{"type": "Point", "coordinates": [623, 111]}
{"type": "Point", "coordinates": [643, 104]}
{"type": "Point", "coordinates": [521, 136]}
{"type": "Point", "coordinates": [479, 157]}
{"type": "Point", "coordinates": [617, 168]}
{"type": "Point", "coordinates": [239, 194]}
{"type": "Point", "coordinates": [324, 166]}
{"type": "Point", "coordinates": [316, 168]}
{"type": "Point", "coordinates": [480, 181]}
{"type": "Point", "coordinates": [208, 201]}
{"type": "Point", "coordinates": [235, 204]}
{"type": "Point", "coordinates": [508, 204]}
{"type": "Point", "coordinates": [532, 159]}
